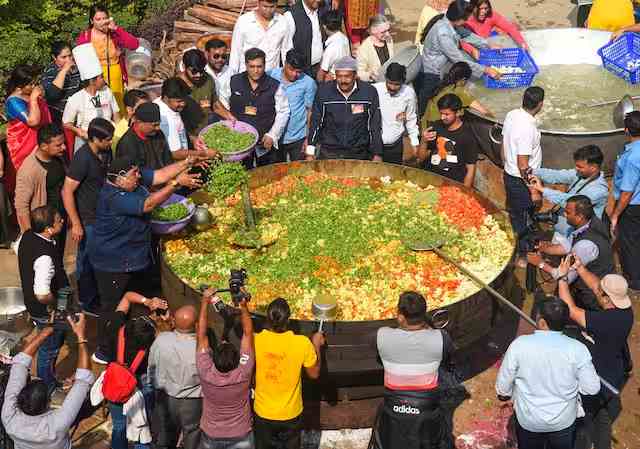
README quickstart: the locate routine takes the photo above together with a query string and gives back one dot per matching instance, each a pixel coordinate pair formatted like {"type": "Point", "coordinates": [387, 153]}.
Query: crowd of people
{"type": "Point", "coordinates": [90, 160]}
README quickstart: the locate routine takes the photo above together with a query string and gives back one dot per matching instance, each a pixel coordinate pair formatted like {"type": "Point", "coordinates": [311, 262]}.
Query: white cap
{"type": "Point", "coordinates": [87, 61]}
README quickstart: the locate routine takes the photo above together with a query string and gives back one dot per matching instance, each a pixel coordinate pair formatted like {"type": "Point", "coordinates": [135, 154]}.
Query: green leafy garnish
{"type": "Point", "coordinates": [226, 140]}
{"type": "Point", "coordinates": [172, 212]}
{"type": "Point", "coordinates": [225, 178]}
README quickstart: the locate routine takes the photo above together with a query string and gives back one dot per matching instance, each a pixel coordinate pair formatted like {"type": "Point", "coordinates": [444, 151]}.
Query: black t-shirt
{"type": "Point", "coordinates": [610, 330]}
{"type": "Point", "coordinates": [55, 181]}
{"type": "Point", "coordinates": [452, 151]}
{"type": "Point", "coordinates": [90, 170]}
{"type": "Point", "coordinates": [152, 152]}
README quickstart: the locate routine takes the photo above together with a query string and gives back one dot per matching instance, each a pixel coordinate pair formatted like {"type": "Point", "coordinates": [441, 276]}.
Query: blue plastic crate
{"type": "Point", "coordinates": [509, 57]}
{"type": "Point", "coordinates": [615, 56]}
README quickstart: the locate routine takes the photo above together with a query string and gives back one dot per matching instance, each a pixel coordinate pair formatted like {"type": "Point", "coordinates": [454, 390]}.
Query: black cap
{"type": "Point", "coordinates": [148, 112]}
{"type": "Point", "coordinates": [120, 165]}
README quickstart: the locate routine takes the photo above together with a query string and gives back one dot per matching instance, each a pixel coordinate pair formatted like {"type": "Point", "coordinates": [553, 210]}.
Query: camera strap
{"type": "Point", "coordinates": [557, 207]}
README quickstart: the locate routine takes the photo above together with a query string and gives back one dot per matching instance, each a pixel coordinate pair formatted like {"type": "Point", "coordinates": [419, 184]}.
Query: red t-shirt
{"type": "Point", "coordinates": [226, 411]}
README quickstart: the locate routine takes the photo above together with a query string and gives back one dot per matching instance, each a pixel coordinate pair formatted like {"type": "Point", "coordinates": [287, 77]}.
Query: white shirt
{"type": "Point", "coordinates": [316, 40]}
{"type": "Point", "coordinates": [222, 80]}
{"type": "Point", "coordinates": [543, 373]}
{"type": "Point", "coordinates": [282, 116]}
{"type": "Point", "coordinates": [336, 47]}
{"type": "Point", "coordinates": [43, 272]}
{"type": "Point", "coordinates": [404, 102]}
{"type": "Point", "coordinates": [80, 110]}
{"type": "Point", "coordinates": [172, 126]}
{"type": "Point", "coordinates": [248, 33]}
{"type": "Point", "coordinates": [520, 137]}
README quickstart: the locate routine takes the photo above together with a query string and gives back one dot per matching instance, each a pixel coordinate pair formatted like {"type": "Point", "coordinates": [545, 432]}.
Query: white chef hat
{"type": "Point", "coordinates": [87, 61]}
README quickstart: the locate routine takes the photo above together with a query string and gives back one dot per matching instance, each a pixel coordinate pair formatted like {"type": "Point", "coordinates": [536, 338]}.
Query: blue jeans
{"type": "Point", "coordinates": [519, 205]}
{"type": "Point", "coordinates": [87, 291]}
{"type": "Point", "coordinates": [119, 421]}
{"type": "Point", "coordinates": [48, 354]}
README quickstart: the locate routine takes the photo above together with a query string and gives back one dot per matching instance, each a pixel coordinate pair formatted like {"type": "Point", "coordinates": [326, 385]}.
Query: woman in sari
{"type": "Point", "coordinates": [26, 112]}
{"type": "Point", "coordinates": [109, 41]}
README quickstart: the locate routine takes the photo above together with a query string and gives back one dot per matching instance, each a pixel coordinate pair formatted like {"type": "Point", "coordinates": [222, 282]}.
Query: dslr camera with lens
{"type": "Point", "coordinates": [62, 310]}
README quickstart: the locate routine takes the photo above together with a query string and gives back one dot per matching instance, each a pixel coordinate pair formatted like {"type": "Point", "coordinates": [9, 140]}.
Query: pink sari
{"type": "Point", "coordinates": [21, 141]}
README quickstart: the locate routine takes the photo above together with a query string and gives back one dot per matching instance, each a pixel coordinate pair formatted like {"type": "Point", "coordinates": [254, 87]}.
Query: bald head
{"type": "Point", "coordinates": [185, 319]}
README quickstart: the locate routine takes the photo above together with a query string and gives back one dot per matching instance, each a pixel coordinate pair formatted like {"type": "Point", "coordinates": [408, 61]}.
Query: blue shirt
{"type": "Point", "coordinates": [122, 232]}
{"type": "Point", "coordinates": [626, 177]}
{"type": "Point", "coordinates": [543, 373]}
{"type": "Point", "coordinates": [300, 94]}
{"type": "Point", "coordinates": [597, 191]}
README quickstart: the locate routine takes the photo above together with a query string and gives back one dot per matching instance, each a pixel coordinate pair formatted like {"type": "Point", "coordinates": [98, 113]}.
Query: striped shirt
{"type": "Point", "coordinates": [411, 358]}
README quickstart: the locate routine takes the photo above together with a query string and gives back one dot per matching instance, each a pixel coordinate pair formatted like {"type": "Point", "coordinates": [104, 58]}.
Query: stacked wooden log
{"type": "Point", "coordinates": [209, 17]}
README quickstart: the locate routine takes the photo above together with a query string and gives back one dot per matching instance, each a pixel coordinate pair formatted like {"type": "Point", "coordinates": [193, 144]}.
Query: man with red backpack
{"type": "Point", "coordinates": [130, 340]}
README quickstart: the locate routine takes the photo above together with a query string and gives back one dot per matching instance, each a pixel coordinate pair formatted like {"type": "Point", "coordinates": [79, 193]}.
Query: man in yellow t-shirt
{"type": "Point", "coordinates": [280, 357]}
{"type": "Point", "coordinates": [132, 99]}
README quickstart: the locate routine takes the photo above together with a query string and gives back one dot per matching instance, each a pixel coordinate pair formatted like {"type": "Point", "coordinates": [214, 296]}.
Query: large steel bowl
{"type": "Point", "coordinates": [351, 358]}
{"type": "Point", "coordinates": [14, 318]}
{"type": "Point", "coordinates": [568, 46]}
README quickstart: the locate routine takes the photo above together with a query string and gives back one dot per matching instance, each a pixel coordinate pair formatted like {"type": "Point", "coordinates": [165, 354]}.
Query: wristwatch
{"type": "Point", "coordinates": [563, 278]}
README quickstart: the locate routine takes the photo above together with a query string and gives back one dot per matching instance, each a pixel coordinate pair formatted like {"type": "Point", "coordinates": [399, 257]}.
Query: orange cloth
{"type": "Point", "coordinates": [100, 45]}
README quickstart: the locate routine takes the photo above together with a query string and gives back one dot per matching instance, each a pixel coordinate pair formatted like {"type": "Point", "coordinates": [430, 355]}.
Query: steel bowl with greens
{"type": "Point", "coordinates": [234, 140]}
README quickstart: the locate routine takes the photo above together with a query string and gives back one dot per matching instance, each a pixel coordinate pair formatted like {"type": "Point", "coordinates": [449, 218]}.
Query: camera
{"type": "Point", "coordinates": [550, 217]}
{"type": "Point", "coordinates": [61, 311]}
{"type": "Point", "coordinates": [237, 280]}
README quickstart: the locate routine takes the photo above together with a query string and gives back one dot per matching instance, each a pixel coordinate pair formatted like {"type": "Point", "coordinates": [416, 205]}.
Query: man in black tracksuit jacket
{"type": "Point", "coordinates": [345, 119]}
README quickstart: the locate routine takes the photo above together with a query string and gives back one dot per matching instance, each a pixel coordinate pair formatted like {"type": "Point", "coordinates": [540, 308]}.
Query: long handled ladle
{"type": "Point", "coordinates": [622, 108]}
{"type": "Point", "coordinates": [435, 247]}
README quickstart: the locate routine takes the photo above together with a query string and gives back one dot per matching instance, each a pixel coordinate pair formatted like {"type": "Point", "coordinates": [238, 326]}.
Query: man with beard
{"type": "Point", "coordinates": [203, 98]}
{"type": "Point", "coordinates": [586, 179]}
{"type": "Point", "coordinates": [451, 149]}
{"type": "Point", "coordinates": [144, 142]}
{"type": "Point", "coordinates": [345, 118]}
{"type": "Point", "coordinates": [217, 54]}
{"type": "Point", "coordinates": [259, 100]}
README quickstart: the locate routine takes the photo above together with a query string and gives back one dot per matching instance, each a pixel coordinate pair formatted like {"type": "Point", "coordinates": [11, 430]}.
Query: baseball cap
{"type": "Point", "coordinates": [148, 112]}
{"type": "Point", "coordinates": [616, 288]}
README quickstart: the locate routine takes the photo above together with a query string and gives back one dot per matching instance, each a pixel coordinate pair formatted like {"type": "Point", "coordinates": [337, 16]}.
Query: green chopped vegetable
{"type": "Point", "coordinates": [226, 140]}
{"type": "Point", "coordinates": [172, 212]}
{"type": "Point", "coordinates": [225, 178]}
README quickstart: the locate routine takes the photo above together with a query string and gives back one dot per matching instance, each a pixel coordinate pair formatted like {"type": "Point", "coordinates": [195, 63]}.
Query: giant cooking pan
{"type": "Point", "coordinates": [559, 46]}
{"type": "Point", "coordinates": [351, 359]}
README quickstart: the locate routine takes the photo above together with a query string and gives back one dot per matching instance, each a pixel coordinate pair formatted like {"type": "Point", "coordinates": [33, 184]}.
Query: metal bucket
{"type": "Point", "coordinates": [14, 318]}
{"type": "Point", "coordinates": [408, 57]}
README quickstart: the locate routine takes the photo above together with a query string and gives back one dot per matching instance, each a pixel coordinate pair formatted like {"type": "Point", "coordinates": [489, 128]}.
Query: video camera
{"type": "Point", "coordinates": [550, 217]}
{"type": "Point", "coordinates": [237, 280]}
{"type": "Point", "coordinates": [61, 312]}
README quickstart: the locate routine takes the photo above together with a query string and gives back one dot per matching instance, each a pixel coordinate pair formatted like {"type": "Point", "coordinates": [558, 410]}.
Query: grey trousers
{"type": "Point", "coordinates": [172, 417]}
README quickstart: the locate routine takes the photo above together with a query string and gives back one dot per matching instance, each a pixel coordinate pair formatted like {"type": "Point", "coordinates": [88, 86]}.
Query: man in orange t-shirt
{"type": "Point", "coordinates": [280, 357]}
